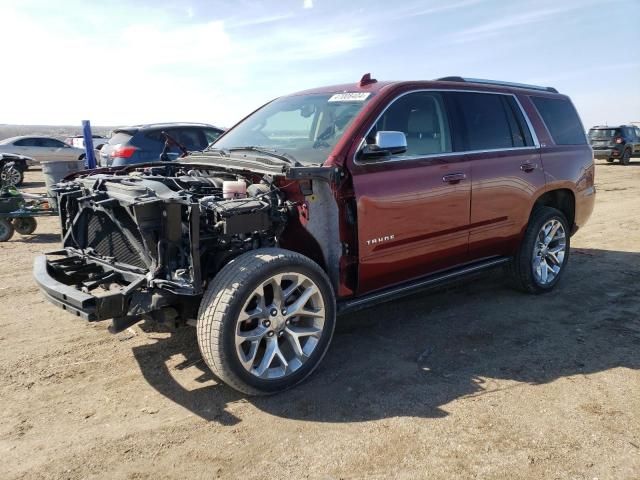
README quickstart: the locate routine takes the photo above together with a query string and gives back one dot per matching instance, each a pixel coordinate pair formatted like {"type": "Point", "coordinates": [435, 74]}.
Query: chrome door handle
{"type": "Point", "coordinates": [528, 167]}
{"type": "Point", "coordinates": [453, 177]}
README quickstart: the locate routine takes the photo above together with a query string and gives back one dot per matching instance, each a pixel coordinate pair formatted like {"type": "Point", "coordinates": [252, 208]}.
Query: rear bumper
{"type": "Point", "coordinates": [606, 153]}
{"type": "Point", "coordinates": [60, 289]}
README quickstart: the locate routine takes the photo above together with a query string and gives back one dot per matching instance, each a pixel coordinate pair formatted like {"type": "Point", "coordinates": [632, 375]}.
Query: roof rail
{"type": "Point", "coordinates": [496, 82]}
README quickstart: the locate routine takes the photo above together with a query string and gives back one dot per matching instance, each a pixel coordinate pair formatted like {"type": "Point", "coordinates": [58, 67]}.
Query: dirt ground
{"type": "Point", "coordinates": [476, 381]}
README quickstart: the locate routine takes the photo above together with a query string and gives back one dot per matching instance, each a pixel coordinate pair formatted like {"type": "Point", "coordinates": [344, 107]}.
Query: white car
{"type": "Point", "coordinates": [41, 149]}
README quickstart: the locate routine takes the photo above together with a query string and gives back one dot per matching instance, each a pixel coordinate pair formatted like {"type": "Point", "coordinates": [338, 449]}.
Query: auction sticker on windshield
{"type": "Point", "coordinates": [350, 97]}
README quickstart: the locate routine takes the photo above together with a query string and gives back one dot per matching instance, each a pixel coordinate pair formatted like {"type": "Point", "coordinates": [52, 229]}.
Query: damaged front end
{"type": "Point", "coordinates": [143, 242]}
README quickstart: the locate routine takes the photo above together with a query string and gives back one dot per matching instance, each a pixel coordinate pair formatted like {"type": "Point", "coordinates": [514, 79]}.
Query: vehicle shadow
{"type": "Point", "coordinates": [26, 184]}
{"type": "Point", "coordinates": [411, 357]}
{"type": "Point", "coordinates": [635, 162]}
{"type": "Point", "coordinates": [37, 238]}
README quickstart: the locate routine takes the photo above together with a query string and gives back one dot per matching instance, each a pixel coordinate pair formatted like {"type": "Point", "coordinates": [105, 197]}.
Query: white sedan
{"type": "Point", "coordinates": [41, 149]}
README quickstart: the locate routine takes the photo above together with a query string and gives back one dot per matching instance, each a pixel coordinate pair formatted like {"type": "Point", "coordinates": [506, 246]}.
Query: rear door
{"type": "Point", "coordinates": [505, 166]}
{"type": "Point", "coordinates": [58, 150]}
{"type": "Point", "coordinates": [412, 208]}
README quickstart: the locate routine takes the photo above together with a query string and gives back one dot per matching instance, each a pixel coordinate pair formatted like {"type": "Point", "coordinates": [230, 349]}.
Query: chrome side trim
{"type": "Point", "coordinates": [403, 290]}
{"type": "Point", "coordinates": [536, 143]}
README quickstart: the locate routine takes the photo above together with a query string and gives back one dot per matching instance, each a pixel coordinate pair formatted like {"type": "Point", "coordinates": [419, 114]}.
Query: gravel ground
{"type": "Point", "coordinates": [476, 381]}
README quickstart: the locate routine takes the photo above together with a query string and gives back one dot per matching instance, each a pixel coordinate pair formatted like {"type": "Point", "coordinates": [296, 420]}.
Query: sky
{"type": "Point", "coordinates": [140, 61]}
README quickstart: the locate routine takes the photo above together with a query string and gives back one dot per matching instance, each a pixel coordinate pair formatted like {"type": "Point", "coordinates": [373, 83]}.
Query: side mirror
{"type": "Point", "coordinates": [387, 143]}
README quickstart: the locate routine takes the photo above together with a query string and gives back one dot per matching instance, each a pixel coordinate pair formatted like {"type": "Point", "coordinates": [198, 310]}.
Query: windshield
{"type": "Point", "coordinates": [306, 127]}
{"type": "Point", "coordinates": [603, 133]}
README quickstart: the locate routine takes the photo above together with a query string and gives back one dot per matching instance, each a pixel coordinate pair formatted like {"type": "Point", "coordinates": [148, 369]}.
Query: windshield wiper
{"type": "Point", "coordinates": [281, 156]}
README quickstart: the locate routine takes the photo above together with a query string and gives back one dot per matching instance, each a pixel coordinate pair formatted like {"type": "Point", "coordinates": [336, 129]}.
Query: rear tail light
{"type": "Point", "coordinates": [122, 151]}
{"type": "Point", "coordinates": [619, 140]}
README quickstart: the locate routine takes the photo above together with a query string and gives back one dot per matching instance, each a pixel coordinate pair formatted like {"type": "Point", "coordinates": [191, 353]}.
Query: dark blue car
{"type": "Point", "coordinates": [145, 143]}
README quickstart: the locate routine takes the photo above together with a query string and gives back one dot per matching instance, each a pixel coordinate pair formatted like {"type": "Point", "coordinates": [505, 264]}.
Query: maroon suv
{"type": "Point", "coordinates": [322, 202]}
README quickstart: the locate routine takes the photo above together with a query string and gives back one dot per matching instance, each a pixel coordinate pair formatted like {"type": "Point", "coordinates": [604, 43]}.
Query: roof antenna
{"type": "Point", "coordinates": [367, 80]}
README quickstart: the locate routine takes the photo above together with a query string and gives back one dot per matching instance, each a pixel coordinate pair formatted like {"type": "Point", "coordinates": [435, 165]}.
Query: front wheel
{"type": "Point", "coordinates": [13, 176]}
{"type": "Point", "coordinates": [266, 321]}
{"type": "Point", "coordinates": [544, 252]}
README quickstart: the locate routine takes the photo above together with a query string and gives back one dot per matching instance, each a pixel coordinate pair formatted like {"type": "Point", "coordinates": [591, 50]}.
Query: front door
{"type": "Point", "coordinates": [413, 208]}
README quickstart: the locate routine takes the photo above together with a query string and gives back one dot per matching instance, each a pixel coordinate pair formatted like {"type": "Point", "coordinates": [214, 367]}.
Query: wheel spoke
{"type": "Point", "coordinates": [552, 232]}
{"type": "Point", "coordinates": [255, 313]}
{"type": "Point", "coordinates": [278, 294]}
{"type": "Point", "coordinates": [304, 331]}
{"type": "Point", "coordinates": [248, 358]}
{"type": "Point", "coordinates": [294, 341]}
{"type": "Point", "coordinates": [544, 271]}
{"type": "Point", "coordinates": [295, 283]}
{"type": "Point", "coordinates": [254, 335]}
{"type": "Point", "coordinates": [298, 307]}
{"type": "Point", "coordinates": [269, 354]}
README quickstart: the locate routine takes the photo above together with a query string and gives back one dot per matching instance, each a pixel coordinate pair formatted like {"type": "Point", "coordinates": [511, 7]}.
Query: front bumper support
{"type": "Point", "coordinates": [61, 288]}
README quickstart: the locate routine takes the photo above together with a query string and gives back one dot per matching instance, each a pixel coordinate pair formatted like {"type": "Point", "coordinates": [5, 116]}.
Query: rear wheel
{"type": "Point", "coordinates": [6, 230]}
{"type": "Point", "coordinates": [544, 252]}
{"type": "Point", "coordinates": [25, 225]}
{"type": "Point", "coordinates": [626, 157]}
{"type": "Point", "coordinates": [266, 321]}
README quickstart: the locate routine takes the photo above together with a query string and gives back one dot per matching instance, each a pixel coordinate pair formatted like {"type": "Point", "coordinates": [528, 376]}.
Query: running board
{"type": "Point", "coordinates": [432, 281]}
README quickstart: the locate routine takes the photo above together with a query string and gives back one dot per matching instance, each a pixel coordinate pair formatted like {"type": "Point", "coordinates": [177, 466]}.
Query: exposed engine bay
{"type": "Point", "coordinates": [164, 226]}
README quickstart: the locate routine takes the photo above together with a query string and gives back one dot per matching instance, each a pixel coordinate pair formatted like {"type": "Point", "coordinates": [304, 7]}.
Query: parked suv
{"type": "Point", "coordinates": [613, 143]}
{"type": "Point", "coordinates": [323, 202]}
{"type": "Point", "coordinates": [145, 143]}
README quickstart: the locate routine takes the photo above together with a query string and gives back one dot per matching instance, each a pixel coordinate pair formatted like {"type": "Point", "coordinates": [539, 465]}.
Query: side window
{"type": "Point", "coordinates": [423, 119]}
{"type": "Point", "coordinates": [26, 142]}
{"type": "Point", "coordinates": [561, 119]}
{"type": "Point", "coordinates": [637, 130]}
{"type": "Point", "coordinates": [490, 122]}
{"type": "Point", "coordinates": [211, 135]}
{"type": "Point", "coordinates": [189, 137]}
{"type": "Point", "coordinates": [51, 143]}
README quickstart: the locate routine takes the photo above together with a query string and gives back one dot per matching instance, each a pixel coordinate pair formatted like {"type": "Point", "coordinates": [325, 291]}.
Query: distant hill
{"type": "Point", "coordinates": [57, 131]}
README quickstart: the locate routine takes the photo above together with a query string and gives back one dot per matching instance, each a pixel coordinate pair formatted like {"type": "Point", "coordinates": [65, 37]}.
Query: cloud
{"type": "Point", "coordinates": [253, 21]}
{"type": "Point", "coordinates": [420, 10]}
{"type": "Point", "coordinates": [308, 4]}
{"type": "Point", "coordinates": [510, 22]}
{"type": "Point", "coordinates": [160, 68]}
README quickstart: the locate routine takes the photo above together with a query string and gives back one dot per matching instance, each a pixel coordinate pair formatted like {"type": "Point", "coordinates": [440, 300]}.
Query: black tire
{"type": "Point", "coordinates": [25, 225]}
{"type": "Point", "coordinates": [609, 160]}
{"type": "Point", "coordinates": [223, 302]}
{"type": "Point", "coordinates": [6, 230]}
{"type": "Point", "coordinates": [522, 265]}
{"type": "Point", "coordinates": [626, 157]}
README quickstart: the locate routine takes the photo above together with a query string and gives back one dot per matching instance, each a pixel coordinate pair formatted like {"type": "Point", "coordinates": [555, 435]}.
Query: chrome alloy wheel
{"type": "Point", "coordinates": [549, 252]}
{"type": "Point", "coordinates": [10, 176]}
{"type": "Point", "coordinates": [280, 325]}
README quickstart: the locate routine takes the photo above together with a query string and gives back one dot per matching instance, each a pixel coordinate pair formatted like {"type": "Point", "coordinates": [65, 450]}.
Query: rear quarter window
{"type": "Point", "coordinates": [561, 119]}
{"type": "Point", "coordinates": [119, 137]}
